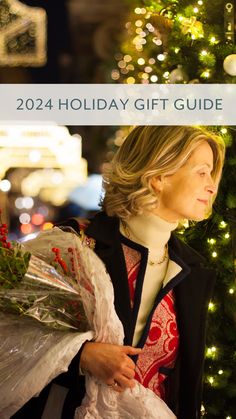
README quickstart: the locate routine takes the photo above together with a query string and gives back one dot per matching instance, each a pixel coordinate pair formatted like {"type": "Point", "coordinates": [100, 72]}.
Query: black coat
{"type": "Point", "coordinates": [193, 289]}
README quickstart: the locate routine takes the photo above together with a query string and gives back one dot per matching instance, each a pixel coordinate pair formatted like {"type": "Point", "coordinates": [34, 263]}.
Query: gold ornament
{"type": "Point", "coordinates": [229, 64]}
{"type": "Point", "coordinates": [178, 75]}
{"type": "Point", "coordinates": [192, 26]}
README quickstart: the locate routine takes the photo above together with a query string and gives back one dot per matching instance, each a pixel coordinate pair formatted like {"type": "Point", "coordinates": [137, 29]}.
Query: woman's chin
{"type": "Point", "coordinates": [195, 217]}
{"type": "Point", "coordinates": [199, 217]}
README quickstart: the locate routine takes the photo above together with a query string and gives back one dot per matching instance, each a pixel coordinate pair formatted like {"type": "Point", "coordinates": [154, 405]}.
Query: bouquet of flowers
{"type": "Point", "coordinates": [54, 295]}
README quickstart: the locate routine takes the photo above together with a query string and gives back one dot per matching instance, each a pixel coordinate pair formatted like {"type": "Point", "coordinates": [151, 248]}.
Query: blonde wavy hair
{"type": "Point", "coordinates": [148, 152]}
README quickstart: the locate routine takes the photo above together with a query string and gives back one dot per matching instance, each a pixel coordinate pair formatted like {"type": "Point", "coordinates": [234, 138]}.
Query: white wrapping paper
{"type": "Point", "coordinates": [31, 354]}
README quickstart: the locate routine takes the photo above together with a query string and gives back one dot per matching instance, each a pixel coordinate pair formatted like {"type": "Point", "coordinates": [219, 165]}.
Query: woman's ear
{"type": "Point", "coordinates": [157, 183]}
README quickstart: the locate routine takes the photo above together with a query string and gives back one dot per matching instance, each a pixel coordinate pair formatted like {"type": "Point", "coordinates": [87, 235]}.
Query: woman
{"type": "Point", "coordinates": [159, 177]}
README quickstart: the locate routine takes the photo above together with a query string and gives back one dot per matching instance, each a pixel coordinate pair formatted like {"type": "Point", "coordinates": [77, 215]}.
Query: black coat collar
{"type": "Point", "coordinates": [105, 230]}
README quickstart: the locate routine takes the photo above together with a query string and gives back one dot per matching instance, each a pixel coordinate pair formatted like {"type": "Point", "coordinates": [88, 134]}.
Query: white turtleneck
{"type": "Point", "coordinates": [152, 232]}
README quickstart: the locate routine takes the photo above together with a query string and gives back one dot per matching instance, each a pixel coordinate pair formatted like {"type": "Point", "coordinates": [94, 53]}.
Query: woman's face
{"type": "Point", "coordinates": [188, 193]}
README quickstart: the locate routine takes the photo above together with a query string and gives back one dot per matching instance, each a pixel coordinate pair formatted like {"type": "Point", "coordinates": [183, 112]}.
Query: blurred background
{"type": "Point", "coordinates": [49, 173]}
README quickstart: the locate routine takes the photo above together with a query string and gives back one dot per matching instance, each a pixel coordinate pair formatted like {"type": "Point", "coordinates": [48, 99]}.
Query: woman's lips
{"type": "Point", "coordinates": [204, 201]}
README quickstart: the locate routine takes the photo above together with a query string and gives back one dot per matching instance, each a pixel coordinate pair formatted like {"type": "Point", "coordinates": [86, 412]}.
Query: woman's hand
{"type": "Point", "coordinates": [110, 363]}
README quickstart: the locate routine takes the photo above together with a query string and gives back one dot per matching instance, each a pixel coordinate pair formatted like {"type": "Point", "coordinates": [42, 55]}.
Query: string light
{"type": "Point", "coordinates": [214, 254]}
{"type": "Point", "coordinates": [213, 40]}
{"type": "Point", "coordinates": [200, 2]}
{"type": "Point", "coordinates": [121, 64]}
{"type": "Point", "coordinates": [148, 69]}
{"type": "Point", "coordinates": [19, 203]}
{"type": "Point", "coordinates": [115, 75]}
{"type": "Point", "coordinates": [227, 235]}
{"type": "Point", "coordinates": [211, 352]}
{"type": "Point", "coordinates": [205, 74]}
{"type": "Point", "coordinates": [224, 130]}
{"type": "Point", "coordinates": [26, 228]}
{"type": "Point", "coordinates": [5, 185]}
{"type": "Point", "coordinates": [139, 23]}
{"type": "Point", "coordinates": [130, 80]}
{"type": "Point", "coordinates": [166, 74]}
{"type": "Point", "coordinates": [196, 9]}
{"type": "Point", "coordinates": [220, 372]}
{"type": "Point", "coordinates": [152, 61]}
{"type": "Point", "coordinates": [211, 380]}
{"type": "Point", "coordinates": [47, 226]}
{"type": "Point", "coordinates": [203, 410]}
{"type": "Point", "coordinates": [145, 76]}
{"type": "Point", "coordinates": [185, 223]}
{"type": "Point", "coordinates": [150, 27]}
{"type": "Point", "coordinates": [127, 58]}
{"type": "Point", "coordinates": [37, 219]}
{"type": "Point", "coordinates": [161, 57]}
{"type": "Point", "coordinates": [231, 291]}
{"type": "Point", "coordinates": [137, 42]}
{"type": "Point", "coordinates": [28, 202]}
{"type": "Point", "coordinates": [141, 61]}
{"type": "Point", "coordinates": [157, 41]}
{"type": "Point", "coordinates": [204, 52]}
{"type": "Point", "coordinates": [211, 307]}
{"type": "Point", "coordinates": [208, 352]}
{"type": "Point", "coordinates": [211, 241]}
{"type": "Point", "coordinates": [24, 218]}
{"type": "Point", "coordinates": [153, 78]}
{"type": "Point", "coordinates": [223, 224]}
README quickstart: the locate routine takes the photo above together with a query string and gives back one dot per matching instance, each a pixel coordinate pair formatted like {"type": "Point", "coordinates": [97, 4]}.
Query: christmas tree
{"type": "Point", "coordinates": [178, 42]}
{"type": "Point", "coordinates": [193, 42]}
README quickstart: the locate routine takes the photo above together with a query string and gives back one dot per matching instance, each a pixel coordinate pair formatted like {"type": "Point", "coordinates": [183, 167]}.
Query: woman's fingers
{"type": "Point", "coordinates": [121, 383]}
{"type": "Point", "coordinates": [129, 373]}
{"type": "Point", "coordinates": [130, 350]}
{"type": "Point", "coordinates": [124, 382]}
{"type": "Point", "coordinates": [110, 363]}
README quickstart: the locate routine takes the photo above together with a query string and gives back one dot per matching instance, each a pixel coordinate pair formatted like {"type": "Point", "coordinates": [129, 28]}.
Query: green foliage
{"type": "Point", "coordinates": [13, 265]}
{"type": "Point", "coordinates": [214, 236]}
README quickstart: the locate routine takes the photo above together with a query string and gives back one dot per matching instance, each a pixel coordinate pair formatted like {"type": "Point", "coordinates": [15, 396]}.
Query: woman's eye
{"type": "Point", "coordinates": [202, 174]}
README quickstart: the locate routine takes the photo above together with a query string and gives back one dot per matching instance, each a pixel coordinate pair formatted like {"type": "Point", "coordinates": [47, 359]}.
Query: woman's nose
{"type": "Point", "coordinates": [211, 187]}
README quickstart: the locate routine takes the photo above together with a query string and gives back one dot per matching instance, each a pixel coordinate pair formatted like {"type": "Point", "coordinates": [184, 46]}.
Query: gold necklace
{"type": "Point", "coordinates": [150, 261]}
